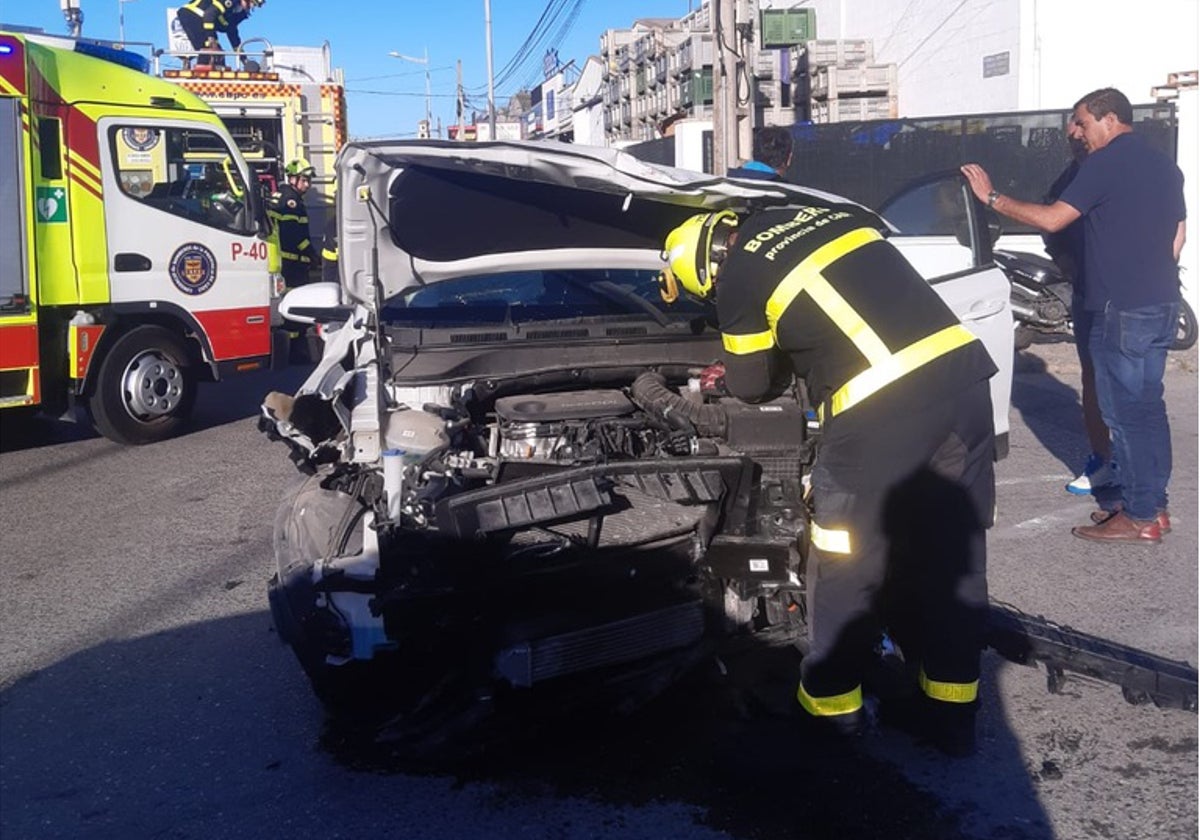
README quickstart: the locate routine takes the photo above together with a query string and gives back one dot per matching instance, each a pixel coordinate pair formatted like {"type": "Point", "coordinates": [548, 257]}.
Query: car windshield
{"type": "Point", "coordinates": [537, 295]}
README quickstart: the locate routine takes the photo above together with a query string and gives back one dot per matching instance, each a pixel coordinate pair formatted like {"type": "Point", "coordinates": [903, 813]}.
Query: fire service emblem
{"type": "Point", "coordinates": [193, 269]}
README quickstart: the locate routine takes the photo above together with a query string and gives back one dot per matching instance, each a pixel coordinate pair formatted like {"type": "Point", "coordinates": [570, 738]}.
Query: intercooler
{"type": "Point", "coordinates": [620, 641]}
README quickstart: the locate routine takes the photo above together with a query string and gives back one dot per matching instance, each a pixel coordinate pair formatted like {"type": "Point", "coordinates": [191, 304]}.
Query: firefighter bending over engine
{"type": "Point", "coordinates": [290, 218]}
{"type": "Point", "coordinates": [203, 19]}
{"type": "Point", "coordinates": [902, 485]}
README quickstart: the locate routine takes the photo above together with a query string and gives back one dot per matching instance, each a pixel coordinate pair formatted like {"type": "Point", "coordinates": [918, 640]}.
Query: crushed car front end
{"type": "Point", "coordinates": [518, 490]}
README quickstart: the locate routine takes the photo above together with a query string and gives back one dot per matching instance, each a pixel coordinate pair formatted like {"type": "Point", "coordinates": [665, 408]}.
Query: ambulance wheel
{"type": "Point", "coordinates": [146, 387]}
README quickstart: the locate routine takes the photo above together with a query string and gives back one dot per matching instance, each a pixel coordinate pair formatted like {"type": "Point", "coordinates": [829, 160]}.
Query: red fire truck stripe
{"type": "Point", "coordinates": [79, 130]}
{"type": "Point", "coordinates": [82, 138]}
{"type": "Point", "coordinates": [237, 333]}
{"type": "Point", "coordinates": [12, 69]}
{"type": "Point", "coordinates": [18, 346]}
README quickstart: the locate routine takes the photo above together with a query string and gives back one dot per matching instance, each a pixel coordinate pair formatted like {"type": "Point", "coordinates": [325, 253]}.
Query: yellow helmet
{"type": "Point", "coordinates": [693, 252]}
{"type": "Point", "coordinates": [299, 166]}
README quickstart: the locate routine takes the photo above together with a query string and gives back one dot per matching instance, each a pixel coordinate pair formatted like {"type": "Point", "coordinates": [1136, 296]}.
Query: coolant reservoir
{"type": "Point", "coordinates": [416, 432]}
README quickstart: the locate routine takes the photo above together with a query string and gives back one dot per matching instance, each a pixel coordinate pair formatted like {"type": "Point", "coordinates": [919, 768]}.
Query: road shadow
{"type": "Point", "coordinates": [210, 730]}
{"type": "Point", "coordinates": [1050, 408]}
{"type": "Point", "coordinates": [731, 739]}
{"type": "Point", "coordinates": [218, 403]}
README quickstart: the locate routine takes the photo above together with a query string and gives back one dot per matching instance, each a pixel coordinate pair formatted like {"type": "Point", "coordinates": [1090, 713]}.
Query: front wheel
{"type": "Point", "coordinates": [1185, 333]}
{"type": "Point", "coordinates": [146, 387]}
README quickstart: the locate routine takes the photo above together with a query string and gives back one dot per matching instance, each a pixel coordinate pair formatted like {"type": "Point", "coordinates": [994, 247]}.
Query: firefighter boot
{"type": "Point", "coordinates": [950, 727]}
{"type": "Point", "coordinates": [842, 718]}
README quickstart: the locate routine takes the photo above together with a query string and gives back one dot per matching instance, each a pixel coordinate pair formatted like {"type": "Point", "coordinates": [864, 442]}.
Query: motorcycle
{"type": "Point", "coordinates": [1041, 300]}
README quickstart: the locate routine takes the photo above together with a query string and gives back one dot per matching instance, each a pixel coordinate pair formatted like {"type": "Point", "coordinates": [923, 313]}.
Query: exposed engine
{"type": "Point", "coordinates": [554, 534]}
{"type": "Point", "coordinates": [481, 450]}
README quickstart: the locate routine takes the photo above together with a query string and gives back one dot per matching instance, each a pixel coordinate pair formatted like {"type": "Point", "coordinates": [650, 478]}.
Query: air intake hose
{"type": "Point", "coordinates": [652, 395]}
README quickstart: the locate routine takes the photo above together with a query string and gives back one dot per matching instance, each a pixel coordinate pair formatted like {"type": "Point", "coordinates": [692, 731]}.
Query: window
{"type": "Point", "coordinates": [50, 148]}
{"type": "Point", "coordinates": [538, 295]}
{"type": "Point", "coordinates": [186, 172]}
{"type": "Point", "coordinates": [934, 209]}
{"type": "Point", "coordinates": [936, 226]}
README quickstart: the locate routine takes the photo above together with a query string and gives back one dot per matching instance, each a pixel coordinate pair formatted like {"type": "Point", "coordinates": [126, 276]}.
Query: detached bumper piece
{"type": "Point", "coordinates": [1143, 677]}
{"type": "Point", "coordinates": [625, 640]}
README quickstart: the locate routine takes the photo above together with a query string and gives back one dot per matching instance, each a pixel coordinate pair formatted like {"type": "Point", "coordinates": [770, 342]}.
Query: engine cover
{"type": "Point", "coordinates": [569, 405]}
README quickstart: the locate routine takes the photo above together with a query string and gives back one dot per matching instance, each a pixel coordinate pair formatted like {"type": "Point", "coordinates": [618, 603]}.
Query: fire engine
{"type": "Point", "coordinates": [278, 102]}
{"type": "Point", "coordinates": [272, 116]}
{"type": "Point", "coordinates": [133, 260]}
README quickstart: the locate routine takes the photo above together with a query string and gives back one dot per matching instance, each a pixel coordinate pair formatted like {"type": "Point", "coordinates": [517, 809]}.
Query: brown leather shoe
{"type": "Point", "coordinates": [1162, 518]}
{"type": "Point", "coordinates": [1164, 522]}
{"type": "Point", "coordinates": [1119, 528]}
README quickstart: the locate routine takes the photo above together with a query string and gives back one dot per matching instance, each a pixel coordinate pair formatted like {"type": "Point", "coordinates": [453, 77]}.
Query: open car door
{"type": "Point", "coordinates": [943, 232]}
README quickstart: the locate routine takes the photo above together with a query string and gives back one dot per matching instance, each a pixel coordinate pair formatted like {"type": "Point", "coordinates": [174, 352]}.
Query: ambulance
{"type": "Point", "coordinates": [133, 252]}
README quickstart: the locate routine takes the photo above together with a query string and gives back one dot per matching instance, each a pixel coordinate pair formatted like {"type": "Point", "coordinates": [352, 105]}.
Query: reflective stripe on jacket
{"type": "Point", "coordinates": [822, 285]}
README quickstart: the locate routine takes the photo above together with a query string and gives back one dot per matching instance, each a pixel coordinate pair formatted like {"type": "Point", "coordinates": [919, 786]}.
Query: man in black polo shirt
{"type": "Point", "coordinates": [902, 485]}
{"type": "Point", "coordinates": [1131, 199]}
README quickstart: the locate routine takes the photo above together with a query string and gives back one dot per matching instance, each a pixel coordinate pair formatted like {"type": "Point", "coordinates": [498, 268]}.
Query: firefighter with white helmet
{"type": "Point", "coordinates": [902, 485]}
{"type": "Point", "coordinates": [290, 218]}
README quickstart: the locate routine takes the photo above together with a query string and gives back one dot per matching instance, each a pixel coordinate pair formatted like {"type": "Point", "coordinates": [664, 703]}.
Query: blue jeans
{"type": "Point", "coordinates": [1129, 351]}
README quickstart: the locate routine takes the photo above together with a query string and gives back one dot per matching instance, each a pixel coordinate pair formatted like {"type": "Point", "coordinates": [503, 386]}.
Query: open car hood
{"type": "Point", "coordinates": [412, 213]}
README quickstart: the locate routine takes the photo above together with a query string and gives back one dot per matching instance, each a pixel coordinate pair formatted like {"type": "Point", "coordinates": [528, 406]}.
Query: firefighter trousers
{"type": "Point", "coordinates": [193, 27]}
{"type": "Point", "coordinates": [903, 491]}
{"type": "Point", "coordinates": [296, 273]}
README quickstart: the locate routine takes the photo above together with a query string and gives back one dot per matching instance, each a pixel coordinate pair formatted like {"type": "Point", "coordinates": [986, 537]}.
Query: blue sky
{"type": "Point", "coordinates": [387, 95]}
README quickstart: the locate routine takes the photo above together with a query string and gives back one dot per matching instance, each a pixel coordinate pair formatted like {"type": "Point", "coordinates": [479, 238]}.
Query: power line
{"type": "Point", "coordinates": [550, 12]}
{"type": "Point", "coordinates": [397, 75]}
{"type": "Point", "coordinates": [401, 93]}
{"type": "Point", "coordinates": [556, 13]}
{"type": "Point", "coordinates": [561, 35]}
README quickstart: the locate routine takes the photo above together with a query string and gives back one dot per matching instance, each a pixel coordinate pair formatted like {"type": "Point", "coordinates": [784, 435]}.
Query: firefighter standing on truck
{"type": "Point", "coordinates": [902, 485]}
{"type": "Point", "coordinates": [203, 19]}
{"type": "Point", "coordinates": [289, 216]}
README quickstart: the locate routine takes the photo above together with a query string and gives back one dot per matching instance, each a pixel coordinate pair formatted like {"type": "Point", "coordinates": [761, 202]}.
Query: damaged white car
{"type": "Point", "coordinates": [518, 493]}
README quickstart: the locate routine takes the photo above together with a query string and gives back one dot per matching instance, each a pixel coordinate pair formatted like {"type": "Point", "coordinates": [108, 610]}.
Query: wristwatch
{"type": "Point", "coordinates": [992, 196]}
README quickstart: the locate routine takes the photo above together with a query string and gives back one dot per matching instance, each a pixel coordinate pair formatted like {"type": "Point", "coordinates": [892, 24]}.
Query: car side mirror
{"type": "Point", "coordinates": [315, 303]}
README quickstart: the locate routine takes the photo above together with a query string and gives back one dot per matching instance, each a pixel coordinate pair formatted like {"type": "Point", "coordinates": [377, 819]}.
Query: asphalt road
{"type": "Point", "coordinates": [143, 692]}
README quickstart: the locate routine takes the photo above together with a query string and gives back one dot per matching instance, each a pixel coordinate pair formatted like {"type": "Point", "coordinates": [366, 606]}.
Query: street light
{"type": "Point", "coordinates": [425, 61]}
{"type": "Point", "coordinates": [121, 16]}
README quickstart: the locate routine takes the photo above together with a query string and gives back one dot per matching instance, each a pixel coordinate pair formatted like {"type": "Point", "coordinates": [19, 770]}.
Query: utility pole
{"type": "Point", "coordinates": [725, 116]}
{"type": "Point", "coordinates": [747, 55]}
{"type": "Point", "coordinates": [716, 7]}
{"type": "Point", "coordinates": [428, 95]}
{"type": "Point", "coordinates": [461, 106]}
{"type": "Point", "coordinates": [487, 20]}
